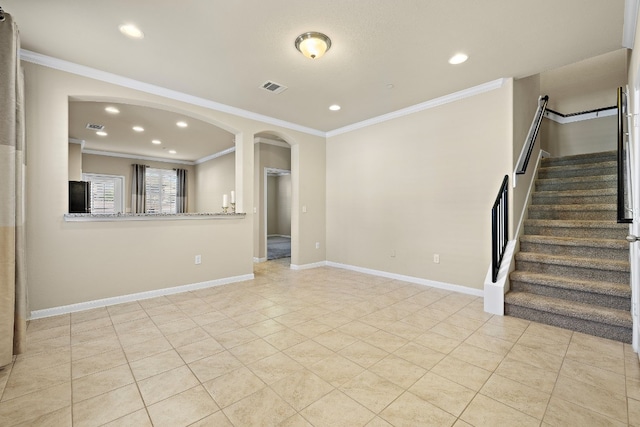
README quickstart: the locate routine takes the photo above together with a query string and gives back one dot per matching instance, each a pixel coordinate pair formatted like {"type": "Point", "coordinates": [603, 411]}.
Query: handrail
{"type": "Point", "coordinates": [525, 155]}
{"type": "Point", "coordinates": [624, 178]}
{"type": "Point", "coordinates": [499, 227]}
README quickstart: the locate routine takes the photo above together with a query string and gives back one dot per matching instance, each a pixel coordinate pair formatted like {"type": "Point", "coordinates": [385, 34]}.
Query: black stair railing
{"type": "Point", "coordinates": [625, 214]}
{"type": "Point", "coordinates": [499, 228]}
{"type": "Point", "coordinates": [523, 162]}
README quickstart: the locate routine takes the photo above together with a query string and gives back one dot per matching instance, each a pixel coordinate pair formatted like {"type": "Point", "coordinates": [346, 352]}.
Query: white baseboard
{"type": "Point", "coordinates": [257, 260]}
{"type": "Point", "coordinates": [279, 235]}
{"type": "Point", "coordinates": [72, 308]}
{"type": "Point", "coordinates": [308, 266]}
{"type": "Point", "coordinates": [410, 279]}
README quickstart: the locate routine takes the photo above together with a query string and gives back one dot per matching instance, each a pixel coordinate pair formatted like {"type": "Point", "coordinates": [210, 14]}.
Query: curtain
{"type": "Point", "coordinates": [138, 188]}
{"type": "Point", "coordinates": [13, 283]}
{"type": "Point", "coordinates": [181, 191]}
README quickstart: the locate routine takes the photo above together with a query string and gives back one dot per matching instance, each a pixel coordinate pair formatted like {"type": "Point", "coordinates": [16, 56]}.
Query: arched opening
{"type": "Point", "coordinates": [275, 198]}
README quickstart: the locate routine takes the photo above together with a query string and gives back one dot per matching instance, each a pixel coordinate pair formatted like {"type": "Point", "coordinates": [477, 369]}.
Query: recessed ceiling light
{"type": "Point", "coordinates": [138, 128]}
{"type": "Point", "coordinates": [156, 141]}
{"type": "Point", "coordinates": [334, 107]}
{"type": "Point", "coordinates": [458, 58]}
{"type": "Point", "coordinates": [131, 31]}
{"type": "Point", "coordinates": [182, 124]}
{"type": "Point", "coordinates": [101, 133]}
{"type": "Point", "coordinates": [172, 151]}
{"type": "Point", "coordinates": [112, 110]}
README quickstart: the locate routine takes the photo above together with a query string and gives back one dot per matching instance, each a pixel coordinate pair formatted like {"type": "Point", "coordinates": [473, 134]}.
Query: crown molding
{"type": "Point", "coordinates": [81, 70]}
{"type": "Point", "coordinates": [136, 157]}
{"type": "Point", "coordinates": [436, 102]}
{"type": "Point", "coordinates": [215, 155]}
{"type": "Point", "coordinates": [630, 23]}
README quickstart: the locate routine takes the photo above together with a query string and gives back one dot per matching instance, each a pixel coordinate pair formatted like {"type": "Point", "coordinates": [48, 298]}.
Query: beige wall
{"type": "Point", "coordinates": [588, 136]}
{"type": "Point", "coordinates": [109, 165]}
{"type": "Point", "coordinates": [421, 185]}
{"type": "Point", "coordinates": [585, 85]}
{"type": "Point", "coordinates": [75, 162]}
{"type": "Point", "coordinates": [525, 104]}
{"type": "Point", "coordinates": [213, 179]}
{"type": "Point", "coordinates": [267, 156]}
{"type": "Point", "coordinates": [139, 256]}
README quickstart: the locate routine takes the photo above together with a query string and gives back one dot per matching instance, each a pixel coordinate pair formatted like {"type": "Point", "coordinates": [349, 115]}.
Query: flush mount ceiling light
{"type": "Point", "coordinates": [131, 31]}
{"type": "Point", "coordinates": [458, 58]}
{"type": "Point", "coordinates": [182, 124]}
{"type": "Point", "coordinates": [156, 141]}
{"type": "Point", "coordinates": [112, 110]}
{"type": "Point", "coordinates": [172, 151]}
{"type": "Point", "coordinates": [334, 107]}
{"type": "Point", "coordinates": [101, 133]}
{"type": "Point", "coordinates": [138, 128]}
{"type": "Point", "coordinates": [312, 44]}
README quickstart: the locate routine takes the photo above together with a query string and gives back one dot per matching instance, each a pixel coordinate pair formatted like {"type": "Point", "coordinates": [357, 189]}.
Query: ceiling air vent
{"type": "Point", "coordinates": [93, 126]}
{"type": "Point", "coordinates": [273, 87]}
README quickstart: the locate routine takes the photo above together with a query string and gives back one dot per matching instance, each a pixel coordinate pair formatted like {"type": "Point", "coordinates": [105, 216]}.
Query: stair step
{"type": "Point", "coordinates": [569, 197]}
{"type": "Point", "coordinates": [577, 183]}
{"type": "Point", "coordinates": [570, 171]}
{"type": "Point", "coordinates": [580, 229]}
{"type": "Point", "coordinates": [586, 318]}
{"type": "Point", "coordinates": [605, 294]}
{"type": "Point", "coordinates": [577, 268]}
{"type": "Point", "coordinates": [574, 212]}
{"type": "Point", "coordinates": [581, 158]}
{"type": "Point", "coordinates": [576, 247]}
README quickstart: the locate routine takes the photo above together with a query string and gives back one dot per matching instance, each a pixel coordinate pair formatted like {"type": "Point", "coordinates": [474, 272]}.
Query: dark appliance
{"type": "Point", "coordinates": [79, 197]}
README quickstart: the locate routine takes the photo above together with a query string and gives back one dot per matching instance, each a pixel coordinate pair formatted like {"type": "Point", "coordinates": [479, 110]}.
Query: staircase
{"type": "Point", "coordinates": [572, 270]}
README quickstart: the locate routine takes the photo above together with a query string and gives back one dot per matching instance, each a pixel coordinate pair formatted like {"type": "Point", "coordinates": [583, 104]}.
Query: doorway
{"type": "Point", "coordinates": [277, 213]}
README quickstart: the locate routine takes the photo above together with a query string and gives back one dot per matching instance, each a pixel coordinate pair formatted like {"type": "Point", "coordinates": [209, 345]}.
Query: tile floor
{"type": "Point", "coordinates": [321, 347]}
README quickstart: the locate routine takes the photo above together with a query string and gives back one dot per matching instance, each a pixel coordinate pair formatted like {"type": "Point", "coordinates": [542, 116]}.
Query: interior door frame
{"type": "Point", "coordinates": [265, 209]}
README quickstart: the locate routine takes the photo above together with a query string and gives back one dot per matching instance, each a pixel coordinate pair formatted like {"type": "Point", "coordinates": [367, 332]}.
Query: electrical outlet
{"type": "Point", "coordinates": [393, 253]}
{"type": "Point", "coordinates": [317, 245]}
{"type": "Point", "coordinates": [436, 258]}
{"type": "Point", "coordinates": [304, 209]}
{"type": "Point", "coordinates": [198, 259]}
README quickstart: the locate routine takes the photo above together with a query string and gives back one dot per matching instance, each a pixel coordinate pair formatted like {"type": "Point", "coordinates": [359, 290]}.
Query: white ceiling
{"type": "Point", "coordinates": [223, 50]}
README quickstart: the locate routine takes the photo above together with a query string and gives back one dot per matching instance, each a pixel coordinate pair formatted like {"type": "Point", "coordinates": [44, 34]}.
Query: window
{"type": "Point", "coordinates": [161, 188]}
{"type": "Point", "coordinates": [107, 193]}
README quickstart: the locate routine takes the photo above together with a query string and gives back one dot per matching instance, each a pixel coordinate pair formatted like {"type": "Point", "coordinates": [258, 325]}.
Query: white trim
{"type": "Point", "coordinates": [72, 308]}
{"type": "Point", "coordinates": [308, 266]}
{"type": "Point", "coordinates": [257, 260]}
{"type": "Point", "coordinates": [532, 185]}
{"type": "Point", "coordinates": [436, 102]}
{"type": "Point", "coordinates": [215, 155]}
{"type": "Point", "coordinates": [494, 292]}
{"type": "Point", "coordinates": [92, 73]}
{"type": "Point", "coordinates": [410, 279]}
{"type": "Point", "coordinates": [630, 21]}
{"type": "Point", "coordinates": [262, 140]}
{"type": "Point", "coordinates": [136, 157]}
{"type": "Point", "coordinates": [580, 117]}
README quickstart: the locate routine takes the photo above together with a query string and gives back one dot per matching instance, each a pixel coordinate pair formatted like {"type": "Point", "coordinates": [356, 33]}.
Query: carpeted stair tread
{"type": "Point", "coordinates": [577, 182]}
{"type": "Point", "coordinates": [592, 286]}
{"type": "Point", "coordinates": [571, 309]}
{"type": "Point", "coordinates": [578, 193]}
{"type": "Point", "coordinates": [576, 223]}
{"type": "Point", "coordinates": [576, 241]}
{"type": "Point", "coordinates": [573, 207]}
{"type": "Point", "coordinates": [581, 158]}
{"type": "Point", "coordinates": [591, 263]}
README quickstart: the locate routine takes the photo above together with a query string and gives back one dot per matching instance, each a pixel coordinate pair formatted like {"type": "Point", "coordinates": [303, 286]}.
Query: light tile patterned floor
{"type": "Point", "coordinates": [321, 347]}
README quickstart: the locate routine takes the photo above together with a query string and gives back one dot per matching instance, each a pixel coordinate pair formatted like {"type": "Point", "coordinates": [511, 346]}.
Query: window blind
{"type": "Point", "coordinates": [161, 190]}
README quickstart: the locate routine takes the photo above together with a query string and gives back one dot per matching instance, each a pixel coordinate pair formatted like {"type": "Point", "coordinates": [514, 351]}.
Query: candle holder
{"type": "Point", "coordinates": [224, 209]}
{"type": "Point", "coordinates": [233, 207]}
